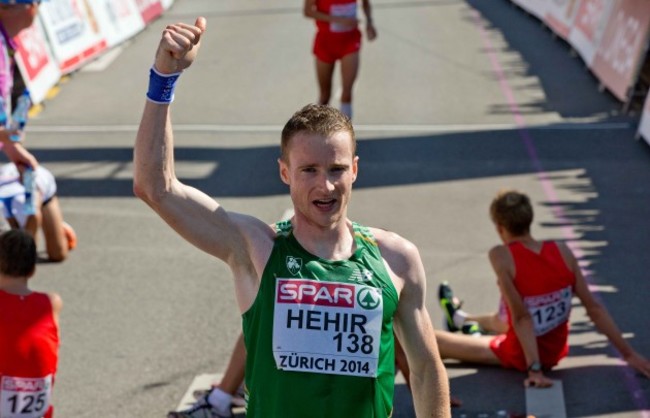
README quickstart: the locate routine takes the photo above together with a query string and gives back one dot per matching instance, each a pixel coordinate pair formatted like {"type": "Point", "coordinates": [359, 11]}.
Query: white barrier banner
{"type": "Point", "coordinates": [73, 32]}
{"type": "Point", "coordinates": [118, 20]}
{"type": "Point", "coordinates": [589, 27]}
{"type": "Point", "coordinates": [624, 42]}
{"type": "Point", "coordinates": [35, 62]}
{"type": "Point", "coordinates": [167, 4]}
{"type": "Point", "coordinates": [149, 9]}
{"type": "Point", "coordinates": [560, 14]}
{"type": "Point", "coordinates": [535, 7]}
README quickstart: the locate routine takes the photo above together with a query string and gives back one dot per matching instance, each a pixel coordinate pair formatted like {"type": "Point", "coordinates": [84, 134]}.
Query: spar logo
{"type": "Point", "coordinates": [313, 292]}
{"type": "Point", "coordinates": [369, 298]}
{"type": "Point", "coordinates": [22, 384]}
{"type": "Point", "coordinates": [294, 264]}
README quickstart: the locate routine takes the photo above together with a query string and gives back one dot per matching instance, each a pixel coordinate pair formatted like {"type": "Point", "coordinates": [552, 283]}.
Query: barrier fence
{"type": "Point", "coordinates": [70, 33]}
{"type": "Point", "coordinates": [611, 37]}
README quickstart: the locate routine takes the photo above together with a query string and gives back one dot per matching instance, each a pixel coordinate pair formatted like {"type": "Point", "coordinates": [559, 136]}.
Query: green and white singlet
{"type": "Point", "coordinates": [319, 335]}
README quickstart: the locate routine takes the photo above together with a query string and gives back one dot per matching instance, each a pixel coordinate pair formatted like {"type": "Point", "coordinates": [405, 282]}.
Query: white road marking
{"type": "Point", "coordinates": [547, 402]}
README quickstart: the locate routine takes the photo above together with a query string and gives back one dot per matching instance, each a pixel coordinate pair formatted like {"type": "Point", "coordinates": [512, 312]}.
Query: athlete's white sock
{"type": "Point", "coordinates": [346, 109]}
{"type": "Point", "coordinates": [220, 400]}
{"type": "Point", "coordinates": [459, 318]}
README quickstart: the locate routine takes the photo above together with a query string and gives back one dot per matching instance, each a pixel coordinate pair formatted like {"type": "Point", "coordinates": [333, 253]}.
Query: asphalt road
{"type": "Point", "coordinates": [455, 100]}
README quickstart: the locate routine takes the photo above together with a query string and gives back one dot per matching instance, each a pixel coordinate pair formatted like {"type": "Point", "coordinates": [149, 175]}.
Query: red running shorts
{"type": "Point", "coordinates": [330, 47]}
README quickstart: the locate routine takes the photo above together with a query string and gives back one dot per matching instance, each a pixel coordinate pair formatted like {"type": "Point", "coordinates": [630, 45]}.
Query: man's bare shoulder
{"type": "Point", "coordinates": [501, 259]}
{"type": "Point", "coordinates": [398, 251]}
{"type": "Point", "coordinates": [392, 241]}
{"type": "Point", "coordinates": [253, 227]}
{"type": "Point", "coordinates": [498, 251]}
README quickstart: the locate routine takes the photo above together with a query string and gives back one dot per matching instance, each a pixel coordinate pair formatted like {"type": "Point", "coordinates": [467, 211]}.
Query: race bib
{"type": "Point", "coordinates": [344, 10]}
{"type": "Point", "coordinates": [24, 397]}
{"type": "Point", "coordinates": [327, 327]}
{"type": "Point", "coordinates": [550, 310]}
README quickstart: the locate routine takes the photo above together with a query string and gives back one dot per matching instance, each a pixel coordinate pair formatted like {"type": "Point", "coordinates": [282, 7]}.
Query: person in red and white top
{"type": "Point", "coordinates": [15, 16]}
{"type": "Point", "coordinates": [29, 331]}
{"type": "Point", "coordinates": [338, 38]}
{"type": "Point", "coordinates": [537, 281]}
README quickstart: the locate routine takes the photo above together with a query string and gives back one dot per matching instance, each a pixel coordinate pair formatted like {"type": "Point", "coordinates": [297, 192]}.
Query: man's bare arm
{"type": "Point", "coordinates": [233, 238]}
{"type": "Point", "coordinates": [428, 377]}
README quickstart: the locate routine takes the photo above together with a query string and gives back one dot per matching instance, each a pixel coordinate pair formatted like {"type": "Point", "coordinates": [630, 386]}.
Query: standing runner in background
{"type": "Point", "coordinates": [338, 38]}
{"type": "Point", "coordinates": [323, 347]}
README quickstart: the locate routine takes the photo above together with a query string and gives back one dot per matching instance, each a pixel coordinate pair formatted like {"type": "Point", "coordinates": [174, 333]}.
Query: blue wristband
{"type": "Point", "coordinates": [161, 86]}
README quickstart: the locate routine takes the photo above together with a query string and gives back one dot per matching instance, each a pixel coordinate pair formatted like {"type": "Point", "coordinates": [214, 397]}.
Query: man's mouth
{"type": "Point", "coordinates": [324, 203]}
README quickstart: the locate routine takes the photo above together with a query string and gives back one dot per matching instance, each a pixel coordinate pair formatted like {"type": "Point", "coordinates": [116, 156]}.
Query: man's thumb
{"type": "Point", "coordinates": [201, 23]}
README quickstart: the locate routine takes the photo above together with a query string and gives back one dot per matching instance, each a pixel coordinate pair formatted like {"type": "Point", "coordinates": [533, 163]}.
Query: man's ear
{"type": "Point", "coordinates": [355, 168]}
{"type": "Point", "coordinates": [284, 171]}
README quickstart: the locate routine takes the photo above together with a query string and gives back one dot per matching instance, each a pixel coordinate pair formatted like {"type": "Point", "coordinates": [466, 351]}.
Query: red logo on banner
{"type": "Point", "coordinates": [150, 9]}
{"type": "Point", "coordinates": [32, 51]}
{"type": "Point", "coordinates": [622, 46]}
{"type": "Point", "coordinates": [589, 15]}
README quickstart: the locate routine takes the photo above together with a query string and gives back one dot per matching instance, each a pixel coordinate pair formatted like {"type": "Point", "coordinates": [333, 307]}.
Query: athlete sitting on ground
{"type": "Point", "coordinates": [47, 217]}
{"type": "Point", "coordinates": [535, 278]}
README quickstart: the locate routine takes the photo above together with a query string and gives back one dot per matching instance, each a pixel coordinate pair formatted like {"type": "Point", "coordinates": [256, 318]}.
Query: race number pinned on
{"type": "Point", "coordinates": [327, 327]}
{"type": "Point", "coordinates": [24, 397]}
{"type": "Point", "coordinates": [549, 310]}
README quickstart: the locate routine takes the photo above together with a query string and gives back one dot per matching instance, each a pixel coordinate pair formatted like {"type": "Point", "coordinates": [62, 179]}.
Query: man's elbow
{"type": "Point", "coordinates": [146, 192]}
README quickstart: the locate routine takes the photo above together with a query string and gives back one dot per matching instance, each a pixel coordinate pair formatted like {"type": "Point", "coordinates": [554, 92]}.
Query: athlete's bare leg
{"type": "Point", "coordinates": [466, 348]}
{"type": "Point", "coordinates": [489, 323]}
{"type": "Point", "coordinates": [349, 71]}
{"type": "Point", "coordinates": [234, 374]}
{"type": "Point", "coordinates": [56, 242]}
{"type": "Point", "coordinates": [324, 74]}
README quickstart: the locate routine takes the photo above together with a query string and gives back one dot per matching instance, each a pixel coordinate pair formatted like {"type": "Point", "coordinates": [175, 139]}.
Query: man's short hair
{"type": "Point", "coordinates": [17, 253]}
{"type": "Point", "coordinates": [513, 211]}
{"type": "Point", "coordinates": [318, 119]}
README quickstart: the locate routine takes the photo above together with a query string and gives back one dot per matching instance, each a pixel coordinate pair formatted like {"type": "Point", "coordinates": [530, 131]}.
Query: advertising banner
{"type": "Point", "coordinates": [622, 47]}
{"type": "Point", "coordinates": [118, 20]}
{"type": "Point", "coordinates": [149, 9]}
{"type": "Point", "coordinates": [73, 32]}
{"type": "Point", "coordinates": [36, 64]}
{"type": "Point", "coordinates": [167, 4]}
{"type": "Point", "coordinates": [589, 27]}
{"type": "Point", "coordinates": [560, 15]}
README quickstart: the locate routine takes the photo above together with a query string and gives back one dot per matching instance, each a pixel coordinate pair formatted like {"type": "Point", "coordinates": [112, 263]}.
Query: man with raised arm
{"type": "Point", "coordinates": [319, 294]}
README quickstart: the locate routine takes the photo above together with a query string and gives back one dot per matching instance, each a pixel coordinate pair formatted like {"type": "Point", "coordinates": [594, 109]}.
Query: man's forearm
{"type": "Point", "coordinates": [430, 389]}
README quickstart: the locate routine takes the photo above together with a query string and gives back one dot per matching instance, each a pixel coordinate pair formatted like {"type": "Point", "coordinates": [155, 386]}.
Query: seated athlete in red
{"type": "Point", "coordinates": [537, 280]}
{"type": "Point", "coordinates": [29, 332]}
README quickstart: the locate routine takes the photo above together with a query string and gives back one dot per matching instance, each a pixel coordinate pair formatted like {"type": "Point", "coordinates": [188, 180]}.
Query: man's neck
{"type": "Point", "coordinates": [333, 243]}
{"type": "Point", "coordinates": [14, 285]}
